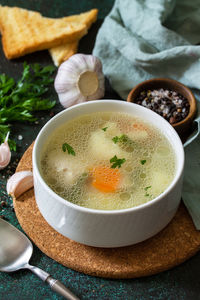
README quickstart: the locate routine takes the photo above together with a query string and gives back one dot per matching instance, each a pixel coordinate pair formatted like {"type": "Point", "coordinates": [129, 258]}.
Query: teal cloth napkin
{"type": "Point", "coordinates": [191, 181]}
{"type": "Point", "coordinates": [143, 39]}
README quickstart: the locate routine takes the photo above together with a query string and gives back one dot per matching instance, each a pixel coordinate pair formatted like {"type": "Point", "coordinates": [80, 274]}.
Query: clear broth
{"type": "Point", "coordinates": [88, 178]}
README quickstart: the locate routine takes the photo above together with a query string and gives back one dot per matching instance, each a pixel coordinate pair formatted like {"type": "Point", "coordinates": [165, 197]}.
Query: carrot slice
{"type": "Point", "coordinates": [105, 179]}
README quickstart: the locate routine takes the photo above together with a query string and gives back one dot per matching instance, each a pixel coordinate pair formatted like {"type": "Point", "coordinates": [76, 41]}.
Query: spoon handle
{"type": "Point", "coordinates": [55, 284]}
{"type": "Point", "coordinates": [59, 288]}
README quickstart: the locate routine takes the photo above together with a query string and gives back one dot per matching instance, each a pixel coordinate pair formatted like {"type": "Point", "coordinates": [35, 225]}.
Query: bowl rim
{"type": "Point", "coordinates": [193, 107]}
{"type": "Point", "coordinates": [83, 209]}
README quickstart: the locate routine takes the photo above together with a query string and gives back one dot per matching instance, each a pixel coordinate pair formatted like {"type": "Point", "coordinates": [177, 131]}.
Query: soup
{"type": "Point", "coordinates": [108, 161]}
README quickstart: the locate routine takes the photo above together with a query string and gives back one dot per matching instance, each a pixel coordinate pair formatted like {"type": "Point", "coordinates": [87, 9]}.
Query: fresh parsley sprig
{"type": "Point", "coordinates": [115, 139]}
{"type": "Point", "coordinates": [125, 142]}
{"type": "Point", "coordinates": [122, 138]}
{"type": "Point", "coordinates": [19, 99]}
{"type": "Point", "coordinates": [117, 162]}
{"type": "Point", "coordinates": [69, 149]}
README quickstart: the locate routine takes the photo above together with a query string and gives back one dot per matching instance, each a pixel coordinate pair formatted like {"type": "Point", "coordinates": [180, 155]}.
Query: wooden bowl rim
{"type": "Point", "coordinates": [174, 83]}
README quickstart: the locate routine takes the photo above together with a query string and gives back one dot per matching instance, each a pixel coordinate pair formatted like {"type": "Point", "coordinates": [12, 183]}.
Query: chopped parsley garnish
{"type": "Point", "coordinates": [143, 161]}
{"type": "Point", "coordinates": [69, 149]}
{"type": "Point", "coordinates": [124, 142]}
{"type": "Point", "coordinates": [147, 187]}
{"type": "Point", "coordinates": [117, 162]}
{"type": "Point", "coordinates": [122, 138]}
{"type": "Point", "coordinates": [125, 139]}
{"type": "Point", "coordinates": [105, 128]}
{"type": "Point", "coordinates": [115, 139]}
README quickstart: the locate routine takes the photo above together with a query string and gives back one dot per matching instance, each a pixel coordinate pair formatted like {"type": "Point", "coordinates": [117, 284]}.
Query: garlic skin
{"type": "Point", "coordinates": [79, 79]}
{"type": "Point", "coordinates": [5, 153]}
{"type": "Point", "coordinates": [19, 183]}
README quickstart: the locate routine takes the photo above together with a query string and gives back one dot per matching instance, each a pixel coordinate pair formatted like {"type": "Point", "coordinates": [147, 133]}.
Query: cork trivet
{"type": "Point", "coordinates": [172, 246]}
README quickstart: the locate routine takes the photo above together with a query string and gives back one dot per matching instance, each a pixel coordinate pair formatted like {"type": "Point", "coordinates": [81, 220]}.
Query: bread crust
{"type": "Point", "coordinates": [61, 53]}
{"type": "Point", "coordinates": [24, 31]}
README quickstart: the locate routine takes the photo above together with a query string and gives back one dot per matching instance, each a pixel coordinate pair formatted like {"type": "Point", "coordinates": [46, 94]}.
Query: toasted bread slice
{"type": "Point", "coordinates": [25, 31]}
{"type": "Point", "coordinates": [63, 52]}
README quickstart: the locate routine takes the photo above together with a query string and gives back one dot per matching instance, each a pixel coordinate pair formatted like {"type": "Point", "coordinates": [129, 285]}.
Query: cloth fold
{"type": "Point", "coordinates": [140, 40]}
{"type": "Point", "coordinates": [143, 39]}
{"type": "Point", "coordinates": [191, 180]}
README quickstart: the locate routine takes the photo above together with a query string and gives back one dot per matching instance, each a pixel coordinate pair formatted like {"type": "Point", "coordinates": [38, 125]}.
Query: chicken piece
{"type": "Point", "coordinates": [69, 166]}
{"type": "Point", "coordinates": [102, 147]}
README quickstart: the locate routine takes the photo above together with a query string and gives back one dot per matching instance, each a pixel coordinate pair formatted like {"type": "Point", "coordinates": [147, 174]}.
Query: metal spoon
{"type": "Point", "coordinates": [15, 252]}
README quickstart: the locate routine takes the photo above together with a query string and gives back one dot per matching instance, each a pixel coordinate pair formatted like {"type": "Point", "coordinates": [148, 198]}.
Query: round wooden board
{"type": "Point", "coordinates": [172, 246]}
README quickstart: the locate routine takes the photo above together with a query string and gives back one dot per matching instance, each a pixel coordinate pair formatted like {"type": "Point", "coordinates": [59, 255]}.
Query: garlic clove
{"type": "Point", "coordinates": [19, 183]}
{"type": "Point", "coordinates": [71, 98]}
{"type": "Point", "coordinates": [79, 79]}
{"type": "Point", "coordinates": [5, 153]}
{"type": "Point", "coordinates": [80, 62]}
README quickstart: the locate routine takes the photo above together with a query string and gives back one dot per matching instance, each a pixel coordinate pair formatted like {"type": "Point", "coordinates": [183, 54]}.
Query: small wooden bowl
{"type": "Point", "coordinates": [183, 126]}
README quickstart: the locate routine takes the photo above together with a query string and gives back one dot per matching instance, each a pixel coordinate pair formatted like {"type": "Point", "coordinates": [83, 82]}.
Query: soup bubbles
{"type": "Point", "coordinates": [108, 161]}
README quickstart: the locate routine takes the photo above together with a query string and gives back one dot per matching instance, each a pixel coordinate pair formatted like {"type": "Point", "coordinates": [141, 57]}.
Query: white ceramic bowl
{"type": "Point", "coordinates": [101, 228]}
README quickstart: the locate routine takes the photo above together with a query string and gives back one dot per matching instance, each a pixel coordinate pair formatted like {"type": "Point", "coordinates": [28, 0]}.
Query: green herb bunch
{"type": "Point", "coordinates": [19, 99]}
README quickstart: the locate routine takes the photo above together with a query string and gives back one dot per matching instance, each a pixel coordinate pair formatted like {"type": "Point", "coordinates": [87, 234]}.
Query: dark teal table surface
{"type": "Point", "coordinates": [182, 282]}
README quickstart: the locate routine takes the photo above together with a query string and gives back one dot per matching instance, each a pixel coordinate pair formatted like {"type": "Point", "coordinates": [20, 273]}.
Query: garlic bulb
{"type": "Point", "coordinates": [19, 183]}
{"type": "Point", "coordinates": [5, 154]}
{"type": "Point", "coordinates": [79, 79]}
